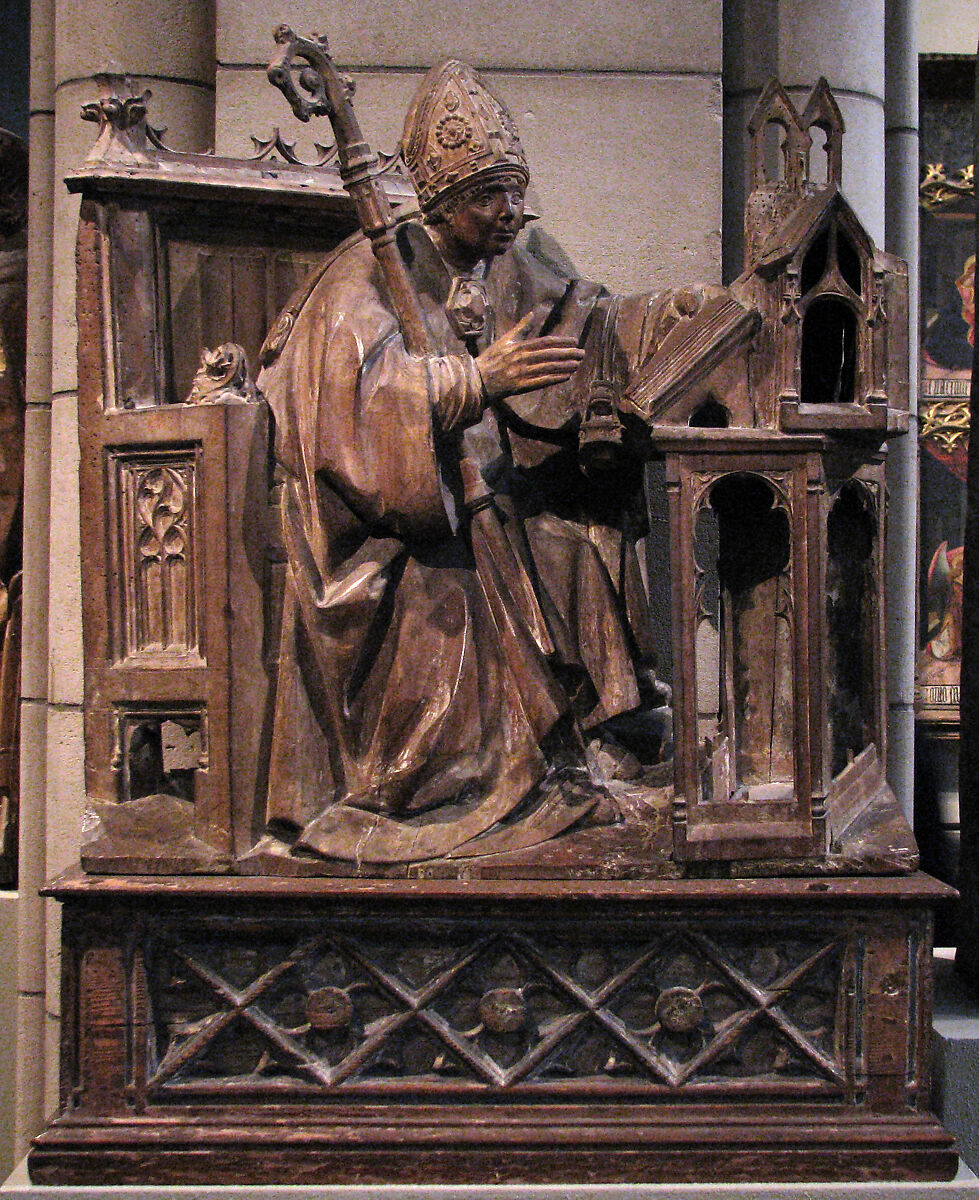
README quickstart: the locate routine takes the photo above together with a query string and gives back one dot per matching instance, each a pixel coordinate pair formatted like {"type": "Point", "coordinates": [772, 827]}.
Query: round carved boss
{"type": "Point", "coordinates": [329, 1009]}
{"type": "Point", "coordinates": [503, 1010]}
{"type": "Point", "coordinates": [679, 1009]}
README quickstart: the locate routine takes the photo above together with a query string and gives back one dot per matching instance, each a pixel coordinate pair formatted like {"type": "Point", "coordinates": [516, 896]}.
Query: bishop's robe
{"type": "Point", "coordinates": [440, 669]}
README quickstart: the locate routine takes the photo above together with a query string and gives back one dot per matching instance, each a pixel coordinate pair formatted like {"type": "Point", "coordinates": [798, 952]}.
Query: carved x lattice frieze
{"type": "Point", "coordinates": [502, 1010]}
{"type": "Point", "coordinates": [243, 1003]}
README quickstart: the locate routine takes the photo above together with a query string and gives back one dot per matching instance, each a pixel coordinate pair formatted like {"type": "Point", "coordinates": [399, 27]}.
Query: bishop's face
{"type": "Point", "coordinates": [483, 223]}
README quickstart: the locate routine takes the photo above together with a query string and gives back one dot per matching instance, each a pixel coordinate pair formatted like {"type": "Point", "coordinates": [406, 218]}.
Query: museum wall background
{"type": "Point", "coordinates": [624, 107]}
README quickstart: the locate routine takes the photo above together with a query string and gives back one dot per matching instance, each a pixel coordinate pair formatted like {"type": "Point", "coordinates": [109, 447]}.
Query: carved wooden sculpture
{"type": "Point", "coordinates": [448, 832]}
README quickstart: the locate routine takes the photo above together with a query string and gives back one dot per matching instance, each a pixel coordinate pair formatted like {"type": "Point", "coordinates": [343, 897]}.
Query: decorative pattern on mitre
{"type": "Point", "coordinates": [456, 129]}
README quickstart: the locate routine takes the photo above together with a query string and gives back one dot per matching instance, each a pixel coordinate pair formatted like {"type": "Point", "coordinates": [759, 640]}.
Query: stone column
{"type": "Point", "coordinates": [29, 1092]}
{"type": "Point", "coordinates": [168, 47]}
{"type": "Point", "coordinates": [901, 237]}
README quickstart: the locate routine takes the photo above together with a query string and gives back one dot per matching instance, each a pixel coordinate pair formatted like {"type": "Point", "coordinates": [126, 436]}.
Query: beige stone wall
{"type": "Point", "coordinates": [619, 108]}
{"type": "Point", "coordinates": [8, 1046]}
{"type": "Point", "coordinates": [948, 27]}
{"type": "Point", "coordinates": [30, 1004]}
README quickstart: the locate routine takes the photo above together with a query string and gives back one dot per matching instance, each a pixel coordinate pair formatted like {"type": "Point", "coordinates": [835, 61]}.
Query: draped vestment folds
{"type": "Point", "coordinates": [437, 672]}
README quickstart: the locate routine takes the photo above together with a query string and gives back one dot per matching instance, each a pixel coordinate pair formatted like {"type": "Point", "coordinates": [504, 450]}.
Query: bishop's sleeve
{"type": "Point", "coordinates": [359, 413]}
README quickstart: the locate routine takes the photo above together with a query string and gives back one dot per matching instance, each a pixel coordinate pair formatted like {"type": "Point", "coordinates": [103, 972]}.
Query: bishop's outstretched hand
{"type": "Point", "coordinates": [517, 362]}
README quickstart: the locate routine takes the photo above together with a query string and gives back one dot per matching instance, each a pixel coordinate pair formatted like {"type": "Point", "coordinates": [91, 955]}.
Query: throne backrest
{"type": "Point", "coordinates": [184, 261]}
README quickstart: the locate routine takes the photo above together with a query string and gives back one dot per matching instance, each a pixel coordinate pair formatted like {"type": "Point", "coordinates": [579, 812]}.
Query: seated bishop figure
{"type": "Point", "coordinates": [466, 662]}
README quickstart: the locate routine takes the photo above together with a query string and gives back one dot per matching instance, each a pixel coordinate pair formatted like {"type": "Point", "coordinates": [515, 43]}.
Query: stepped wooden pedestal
{"type": "Point", "coordinates": [239, 1030]}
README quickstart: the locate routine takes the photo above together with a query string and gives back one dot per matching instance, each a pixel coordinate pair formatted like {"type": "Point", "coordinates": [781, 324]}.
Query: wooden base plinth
{"type": "Point", "coordinates": [627, 1144]}
{"type": "Point", "coordinates": [268, 1031]}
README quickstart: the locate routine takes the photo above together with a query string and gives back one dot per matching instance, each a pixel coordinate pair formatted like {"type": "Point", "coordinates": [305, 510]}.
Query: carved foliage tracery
{"type": "Point", "coordinates": [157, 518]}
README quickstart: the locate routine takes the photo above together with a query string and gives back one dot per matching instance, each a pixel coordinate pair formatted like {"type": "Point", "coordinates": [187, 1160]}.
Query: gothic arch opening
{"type": "Point", "coordinates": [851, 541]}
{"type": "Point", "coordinates": [828, 359]}
{"type": "Point", "coordinates": [745, 640]}
{"type": "Point", "coordinates": [710, 414]}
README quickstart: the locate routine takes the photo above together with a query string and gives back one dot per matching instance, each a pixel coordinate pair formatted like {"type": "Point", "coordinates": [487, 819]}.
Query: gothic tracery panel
{"type": "Point", "coordinates": [157, 514]}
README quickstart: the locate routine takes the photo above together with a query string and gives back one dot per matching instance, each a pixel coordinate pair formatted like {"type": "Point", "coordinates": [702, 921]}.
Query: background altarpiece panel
{"type": "Point", "coordinates": [948, 213]}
